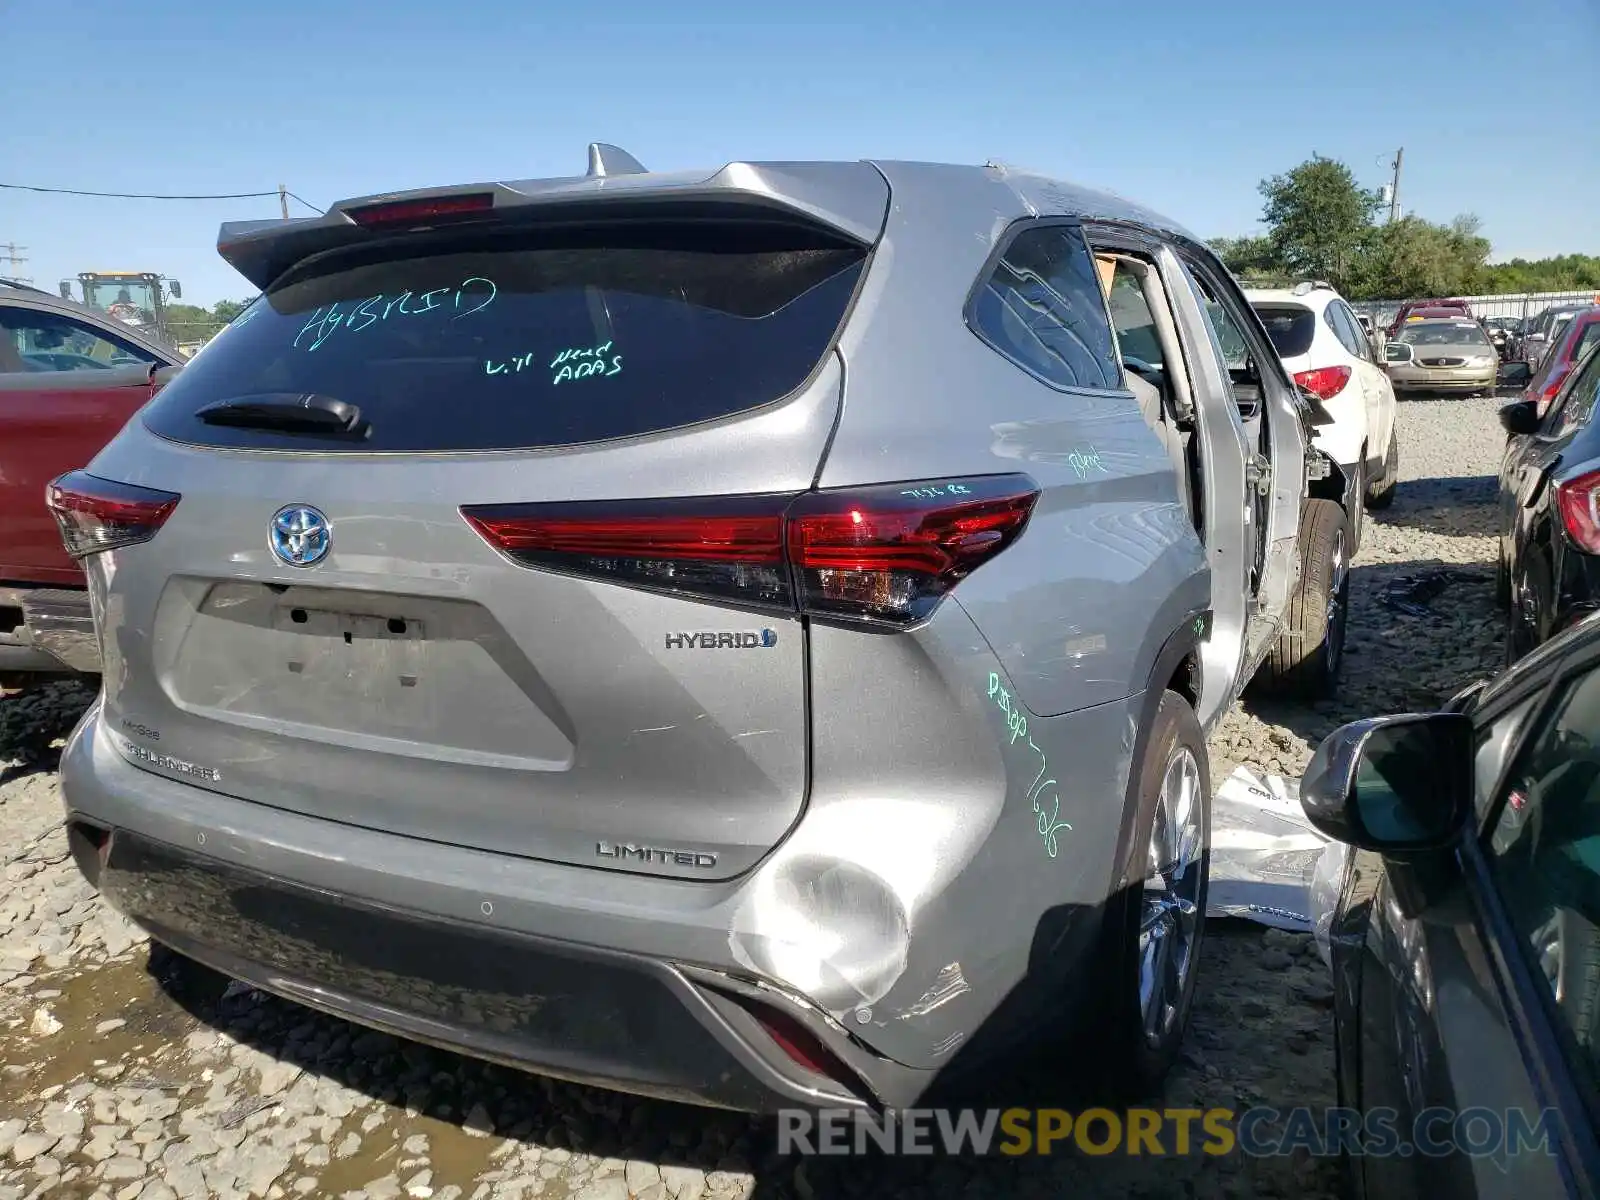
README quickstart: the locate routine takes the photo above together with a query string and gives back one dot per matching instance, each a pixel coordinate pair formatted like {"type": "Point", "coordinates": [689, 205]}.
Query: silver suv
{"type": "Point", "coordinates": [742, 635]}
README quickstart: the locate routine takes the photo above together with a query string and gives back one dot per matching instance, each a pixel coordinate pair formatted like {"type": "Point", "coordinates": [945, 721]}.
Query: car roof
{"type": "Point", "coordinates": [1314, 299]}
{"type": "Point", "coordinates": [847, 196]}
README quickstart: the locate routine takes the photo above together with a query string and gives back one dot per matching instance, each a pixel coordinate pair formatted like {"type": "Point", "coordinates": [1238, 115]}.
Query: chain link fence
{"type": "Point", "coordinates": [1520, 306]}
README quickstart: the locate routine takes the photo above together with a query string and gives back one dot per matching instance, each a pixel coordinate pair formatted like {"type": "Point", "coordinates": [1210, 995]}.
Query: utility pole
{"type": "Point", "coordinates": [1394, 186]}
{"type": "Point", "coordinates": [12, 259]}
{"type": "Point", "coordinates": [283, 200]}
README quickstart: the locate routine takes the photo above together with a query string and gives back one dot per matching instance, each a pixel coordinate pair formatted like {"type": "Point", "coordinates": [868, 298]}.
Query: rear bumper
{"type": "Point", "coordinates": [57, 632]}
{"type": "Point", "coordinates": [645, 984]}
{"type": "Point", "coordinates": [572, 1012]}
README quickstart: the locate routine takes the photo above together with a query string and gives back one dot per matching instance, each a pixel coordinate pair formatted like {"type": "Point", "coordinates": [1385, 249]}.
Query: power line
{"type": "Point", "coordinates": [25, 187]}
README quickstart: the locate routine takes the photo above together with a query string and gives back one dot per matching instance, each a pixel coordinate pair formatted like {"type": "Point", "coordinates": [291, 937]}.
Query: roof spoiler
{"type": "Point", "coordinates": [848, 199]}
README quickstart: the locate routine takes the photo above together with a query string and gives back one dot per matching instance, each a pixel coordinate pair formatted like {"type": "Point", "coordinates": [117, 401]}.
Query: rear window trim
{"type": "Point", "coordinates": [444, 237]}
{"type": "Point", "coordinates": [969, 305]}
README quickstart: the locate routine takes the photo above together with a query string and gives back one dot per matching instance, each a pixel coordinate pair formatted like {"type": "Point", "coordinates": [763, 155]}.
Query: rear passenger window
{"type": "Point", "coordinates": [44, 341]}
{"type": "Point", "coordinates": [1042, 307]}
{"type": "Point", "coordinates": [1345, 329]}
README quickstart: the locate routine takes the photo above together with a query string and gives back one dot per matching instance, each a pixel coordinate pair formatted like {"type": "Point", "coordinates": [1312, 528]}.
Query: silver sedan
{"type": "Point", "coordinates": [1445, 355]}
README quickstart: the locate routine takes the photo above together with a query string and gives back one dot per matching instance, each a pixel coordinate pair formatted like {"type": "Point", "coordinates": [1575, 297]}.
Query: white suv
{"type": "Point", "coordinates": [1321, 342]}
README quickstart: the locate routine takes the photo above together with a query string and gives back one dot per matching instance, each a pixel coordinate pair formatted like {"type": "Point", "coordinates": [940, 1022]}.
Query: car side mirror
{"type": "Point", "coordinates": [1398, 352]}
{"type": "Point", "coordinates": [1513, 374]}
{"type": "Point", "coordinates": [66, 290]}
{"type": "Point", "coordinates": [1520, 417]}
{"type": "Point", "coordinates": [175, 288]}
{"type": "Point", "coordinates": [1397, 785]}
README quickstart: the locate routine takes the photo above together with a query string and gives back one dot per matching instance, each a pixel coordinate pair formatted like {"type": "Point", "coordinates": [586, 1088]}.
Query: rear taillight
{"type": "Point", "coordinates": [1324, 382]}
{"type": "Point", "coordinates": [99, 514]}
{"type": "Point", "coordinates": [420, 211]}
{"type": "Point", "coordinates": [882, 555]}
{"type": "Point", "coordinates": [1557, 378]}
{"type": "Point", "coordinates": [729, 549]}
{"type": "Point", "coordinates": [889, 554]}
{"type": "Point", "coordinates": [1578, 501]}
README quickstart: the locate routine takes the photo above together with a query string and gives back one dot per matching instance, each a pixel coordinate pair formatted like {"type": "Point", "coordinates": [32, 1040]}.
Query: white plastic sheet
{"type": "Point", "coordinates": [1267, 863]}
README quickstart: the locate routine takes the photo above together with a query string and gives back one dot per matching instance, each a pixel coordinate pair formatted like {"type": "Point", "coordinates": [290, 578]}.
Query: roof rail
{"type": "Point", "coordinates": [606, 159]}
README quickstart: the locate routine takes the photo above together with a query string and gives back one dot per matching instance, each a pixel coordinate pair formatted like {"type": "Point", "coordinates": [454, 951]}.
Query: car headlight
{"type": "Point", "coordinates": [1479, 360]}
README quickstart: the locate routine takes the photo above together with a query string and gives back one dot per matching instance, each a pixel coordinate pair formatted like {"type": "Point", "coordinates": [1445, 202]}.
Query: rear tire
{"type": "Point", "coordinates": [1306, 659]}
{"type": "Point", "coordinates": [1380, 491]}
{"type": "Point", "coordinates": [1150, 943]}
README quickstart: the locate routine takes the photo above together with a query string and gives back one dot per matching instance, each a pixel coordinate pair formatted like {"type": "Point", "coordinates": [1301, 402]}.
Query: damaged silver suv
{"type": "Point", "coordinates": [744, 635]}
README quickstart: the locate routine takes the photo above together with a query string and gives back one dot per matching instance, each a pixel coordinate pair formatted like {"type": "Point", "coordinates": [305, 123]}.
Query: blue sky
{"type": "Point", "coordinates": [1181, 105]}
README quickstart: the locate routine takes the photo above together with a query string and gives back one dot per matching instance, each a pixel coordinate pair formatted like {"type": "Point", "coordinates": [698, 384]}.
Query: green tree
{"type": "Point", "coordinates": [1413, 257]}
{"type": "Point", "coordinates": [226, 310]}
{"type": "Point", "coordinates": [1252, 258]}
{"type": "Point", "coordinates": [1319, 220]}
{"type": "Point", "coordinates": [1563, 273]}
{"type": "Point", "coordinates": [190, 322]}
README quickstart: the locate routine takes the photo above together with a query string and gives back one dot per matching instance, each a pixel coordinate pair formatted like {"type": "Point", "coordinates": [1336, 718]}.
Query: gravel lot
{"type": "Point", "coordinates": [126, 1073]}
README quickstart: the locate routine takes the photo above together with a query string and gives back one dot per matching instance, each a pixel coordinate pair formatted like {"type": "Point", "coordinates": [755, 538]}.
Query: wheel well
{"type": "Point", "coordinates": [1331, 486]}
{"type": "Point", "coordinates": [1186, 678]}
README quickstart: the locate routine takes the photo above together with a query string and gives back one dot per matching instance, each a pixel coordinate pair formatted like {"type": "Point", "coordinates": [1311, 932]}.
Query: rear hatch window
{"type": "Point", "coordinates": [1290, 326]}
{"type": "Point", "coordinates": [526, 340]}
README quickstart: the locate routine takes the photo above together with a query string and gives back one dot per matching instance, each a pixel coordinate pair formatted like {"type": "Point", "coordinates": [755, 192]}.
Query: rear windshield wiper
{"type": "Point", "coordinates": [286, 412]}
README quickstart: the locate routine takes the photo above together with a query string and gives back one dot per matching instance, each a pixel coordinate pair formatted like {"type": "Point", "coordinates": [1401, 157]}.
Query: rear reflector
{"type": "Point", "coordinates": [99, 514]}
{"type": "Point", "coordinates": [1324, 382]}
{"type": "Point", "coordinates": [1578, 501]}
{"type": "Point", "coordinates": [882, 556]}
{"type": "Point", "coordinates": [430, 208]}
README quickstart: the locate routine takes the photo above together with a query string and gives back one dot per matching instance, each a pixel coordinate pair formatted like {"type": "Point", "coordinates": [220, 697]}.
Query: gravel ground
{"type": "Point", "coordinates": [126, 1073]}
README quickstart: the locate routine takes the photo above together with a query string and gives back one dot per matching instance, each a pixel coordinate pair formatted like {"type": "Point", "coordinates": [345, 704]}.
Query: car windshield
{"type": "Point", "coordinates": [1588, 338]}
{"type": "Point", "coordinates": [1290, 326]}
{"type": "Point", "coordinates": [1452, 333]}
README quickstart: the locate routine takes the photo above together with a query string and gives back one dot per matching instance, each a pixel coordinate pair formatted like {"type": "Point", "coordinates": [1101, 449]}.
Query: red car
{"type": "Point", "coordinates": [1427, 310]}
{"type": "Point", "coordinates": [1581, 332]}
{"type": "Point", "coordinates": [69, 379]}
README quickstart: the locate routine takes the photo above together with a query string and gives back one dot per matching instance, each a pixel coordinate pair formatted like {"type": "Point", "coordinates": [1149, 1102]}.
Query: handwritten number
{"type": "Point", "coordinates": [1049, 826]}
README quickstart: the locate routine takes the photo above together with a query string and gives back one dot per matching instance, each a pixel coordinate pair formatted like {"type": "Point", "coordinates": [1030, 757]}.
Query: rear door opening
{"type": "Point", "coordinates": [320, 628]}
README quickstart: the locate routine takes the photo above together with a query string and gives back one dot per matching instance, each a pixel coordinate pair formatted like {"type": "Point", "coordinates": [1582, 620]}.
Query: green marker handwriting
{"type": "Point", "coordinates": [1045, 812]}
{"type": "Point", "coordinates": [1084, 461]}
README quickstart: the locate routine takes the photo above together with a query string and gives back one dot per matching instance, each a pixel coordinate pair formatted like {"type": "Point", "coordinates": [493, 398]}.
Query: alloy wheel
{"type": "Point", "coordinates": [1169, 920]}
